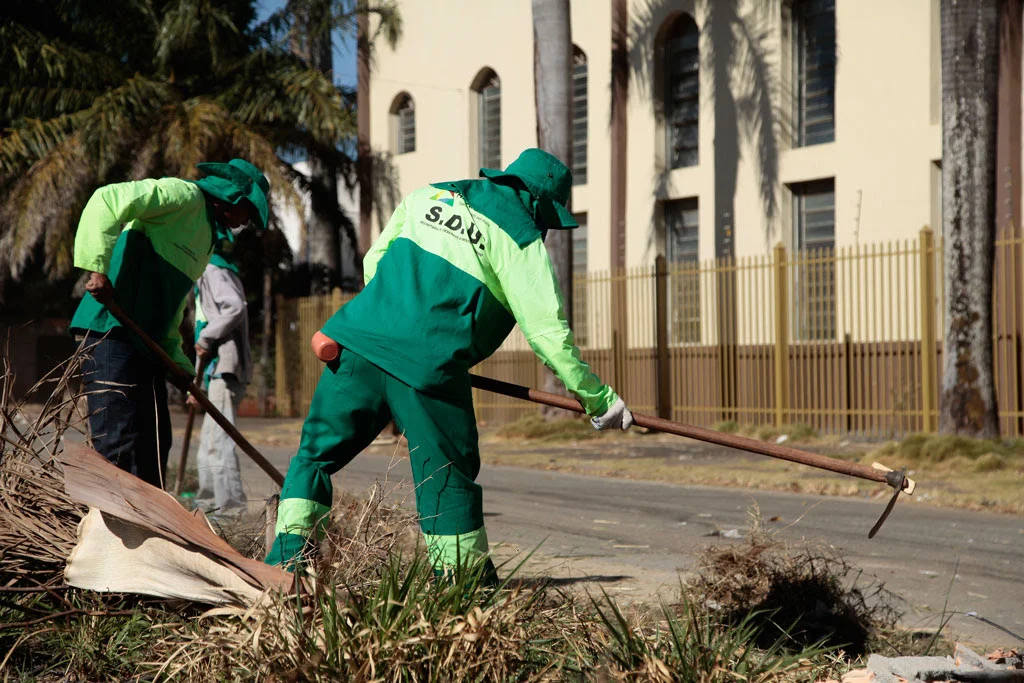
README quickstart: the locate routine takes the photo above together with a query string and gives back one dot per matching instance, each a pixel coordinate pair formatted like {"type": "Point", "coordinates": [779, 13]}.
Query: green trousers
{"type": "Point", "coordinates": [353, 402]}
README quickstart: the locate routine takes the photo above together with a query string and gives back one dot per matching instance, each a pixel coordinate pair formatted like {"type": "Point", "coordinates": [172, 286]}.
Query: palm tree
{"type": "Point", "coordinates": [97, 92]}
{"type": "Point", "coordinates": [970, 83]}
{"type": "Point", "coordinates": [311, 27]}
{"type": "Point", "coordinates": [553, 87]}
{"type": "Point", "coordinates": [552, 64]}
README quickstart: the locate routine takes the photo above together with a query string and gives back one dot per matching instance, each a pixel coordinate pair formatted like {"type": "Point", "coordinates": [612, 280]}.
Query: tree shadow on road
{"type": "Point", "coordinates": [539, 582]}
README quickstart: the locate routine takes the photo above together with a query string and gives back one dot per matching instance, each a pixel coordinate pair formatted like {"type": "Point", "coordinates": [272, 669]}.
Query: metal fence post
{"type": "Point", "coordinates": [929, 395]}
{"type": "Point", "coordinates": [663, 376]}
{"type": "Point", "coordinates": [620, 322]}
{"type": "Point", "coordinates": [781, 336]}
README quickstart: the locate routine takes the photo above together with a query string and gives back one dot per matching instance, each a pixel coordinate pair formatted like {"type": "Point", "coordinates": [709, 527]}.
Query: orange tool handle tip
{"type": "Point", "coordinates": [325, 348]}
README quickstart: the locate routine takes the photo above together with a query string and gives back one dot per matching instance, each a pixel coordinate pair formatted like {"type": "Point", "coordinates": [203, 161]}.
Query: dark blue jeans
{"type": "Point", "coordinates": [128, 417]}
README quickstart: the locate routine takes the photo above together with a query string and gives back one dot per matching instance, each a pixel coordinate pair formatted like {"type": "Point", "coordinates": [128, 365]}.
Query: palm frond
{"type": "Point", "coordinates": [192, 24]}
{"type": "Point", "coordinates": [41, 209]}
{"type": "Point", "coordinates": [33, 139]}
{"type": "Point", "coordinates": [190, 130]}
{"type": "Point", "coordinates": [18, 102]}
{"type": "Point", "coordinates": [117, 114]}
{"type": "Point", "coordinates": [388, 22]}
{"type": "Point", "coordinates": [295, 97]}
{"type": "Point", "coordinates": [31, 58]}
{"type": "Point", "coordinates": [149, 159]}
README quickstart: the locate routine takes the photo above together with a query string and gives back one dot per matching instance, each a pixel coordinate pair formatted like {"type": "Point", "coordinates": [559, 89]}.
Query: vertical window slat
{"type": "Point", "coordinates": [814, 229]}
{"type": "Point", "coordinates": [682, 251]}
{"type": "Point", "coordinates": [490, 124]}
{"type": "Point", "coordinates": [682, 93]}
{"type": "Point", "coordinates": [814, 71]}
{"type": "Point", "coordinates": [579, 118]}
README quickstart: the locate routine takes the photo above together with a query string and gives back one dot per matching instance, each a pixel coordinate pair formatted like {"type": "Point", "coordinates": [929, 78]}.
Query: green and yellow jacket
{"type": "Point", "coordinates": [456, 267]}
{"type": "Point", "coordinates": [153, 239]}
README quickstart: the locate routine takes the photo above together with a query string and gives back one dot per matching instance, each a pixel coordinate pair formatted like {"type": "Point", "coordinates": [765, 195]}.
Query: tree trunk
{"type": "Point", "coordinates": [552, 64]}
{"type": "Point", "coordinates": [970, 61]}
{"type": "Point", "coordinates": [364, 160]}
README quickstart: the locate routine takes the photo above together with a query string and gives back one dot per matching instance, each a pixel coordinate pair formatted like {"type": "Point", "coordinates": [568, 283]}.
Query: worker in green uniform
{"type": "Point", "coordinates": [456, 267]}
{"type": "Point", "coordinates": [144, 244]}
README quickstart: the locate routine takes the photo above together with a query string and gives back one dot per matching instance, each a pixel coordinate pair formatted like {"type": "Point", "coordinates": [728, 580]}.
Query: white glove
{"type": "Point", "coordinates": [616, 417]}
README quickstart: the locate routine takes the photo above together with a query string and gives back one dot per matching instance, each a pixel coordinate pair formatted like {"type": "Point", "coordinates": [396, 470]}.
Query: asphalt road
{"type": "Point", "coordinates": [635, 538]}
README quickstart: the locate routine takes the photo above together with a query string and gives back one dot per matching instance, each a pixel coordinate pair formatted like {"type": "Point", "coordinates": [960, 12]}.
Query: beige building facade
{"type": "Point", "coordinates": [823, 132]}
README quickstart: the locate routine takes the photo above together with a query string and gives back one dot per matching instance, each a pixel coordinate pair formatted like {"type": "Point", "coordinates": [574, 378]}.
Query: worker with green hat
{"type": "Point", "coordinates": [457, 266]}
{"type": "Point", "coordinates": [145, 243]}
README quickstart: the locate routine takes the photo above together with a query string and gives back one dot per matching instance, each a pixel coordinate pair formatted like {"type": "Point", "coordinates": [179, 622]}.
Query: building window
{"type": "Point", "coordinates": [403, 124]}
{"type": "Point", "coordinates": [814, 275]}
{"type": "Point", "coordinates": [488, 95]}
{"type": "Point", "coordinates": [682, 92]}
{"type": "Point", "coordinates": [579, 117]}
{"type": "Point", "coordinates": [579, 281]}
{"type": "Point", "coordinates": [682, 242]}
{"type": "Point", "coordinates": [814, 71]}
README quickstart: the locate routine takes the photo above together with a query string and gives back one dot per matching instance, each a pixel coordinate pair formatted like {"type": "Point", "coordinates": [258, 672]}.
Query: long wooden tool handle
{"type": "Point", "coordinates": [189, 423]}
{"type": "Point", "coordinates": [181, 379]}
{"type": "Point", "coordinates": [709, 435]}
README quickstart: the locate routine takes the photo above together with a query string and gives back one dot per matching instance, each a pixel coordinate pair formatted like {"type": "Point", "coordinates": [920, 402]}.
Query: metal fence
{"type": "Point", "coordinates": [845, 340]}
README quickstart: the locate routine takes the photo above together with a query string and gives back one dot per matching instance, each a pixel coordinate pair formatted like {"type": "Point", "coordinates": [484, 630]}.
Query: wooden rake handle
{"type": "Point", "coordinates": [877, 472]}
{"type": "Point", "coordinates": [183, 381]}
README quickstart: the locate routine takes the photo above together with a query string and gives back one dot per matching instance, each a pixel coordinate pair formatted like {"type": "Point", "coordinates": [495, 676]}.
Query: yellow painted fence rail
{"type": "Point", "coordinates": [846, 340]}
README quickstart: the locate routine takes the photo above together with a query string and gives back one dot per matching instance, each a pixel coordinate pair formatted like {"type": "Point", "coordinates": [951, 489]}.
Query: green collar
{"type": "Point", "coordinates": [511, 209]}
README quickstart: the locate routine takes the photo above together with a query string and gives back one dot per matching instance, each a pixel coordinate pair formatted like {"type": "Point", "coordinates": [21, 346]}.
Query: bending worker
{"type": "Point", "coordinates": [222, 342]}
{"type": "Point", "coordinates": [456, 267]}
{"type": "Point", "coordinates": [145, 244]}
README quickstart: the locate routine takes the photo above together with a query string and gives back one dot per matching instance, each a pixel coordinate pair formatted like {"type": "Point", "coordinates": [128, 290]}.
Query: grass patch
{"type": "Point", "coordinates": [534, 427]}
{"type": "Point", "coordinates": [990, 462]}
{"type": "Point", "coordinates": [98, 638]}
{"type": "Point", "coordinates": [372, 608]}
{"type": "Point", "coordinates": [952, 455]}
{"type": "Point", "coordinates": [394, 620]}
{"type": "Point", "coordinates": [797, 431]}
{"type": "Point", "coordinates": [727, 427]}
{"type": "Point", "coordinates": [190, 480]}
{"type": "Point", "coordinates": [810, 596]}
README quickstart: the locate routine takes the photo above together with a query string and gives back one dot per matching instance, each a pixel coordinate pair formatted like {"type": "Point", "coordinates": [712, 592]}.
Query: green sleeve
{"type": "Point", "coordinates": [531, 288]}
{"type": "Point", "coordinates": [171, 343]}
{"type": "Point", "coordinates": [390, 233]}
{"type": "Point", "coordinates": [107, 212]}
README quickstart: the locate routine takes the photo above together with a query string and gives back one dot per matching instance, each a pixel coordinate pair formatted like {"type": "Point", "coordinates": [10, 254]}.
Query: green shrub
{"type": "Point", "coordinates": [728, 427]}
{"type": "Point", "coordinates": [990, 462]}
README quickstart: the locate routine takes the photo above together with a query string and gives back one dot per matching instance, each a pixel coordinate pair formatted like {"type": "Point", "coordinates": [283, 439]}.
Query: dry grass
{"type": "Point", "coordinates": [810, 595]}
{"type": "Point", "coordinates": [37, 519]}
{"type": "Point", "coordinates": [961, 452]}
{"type": "Point", "coordinates": [372, 608]}
{"type": "Point", "coordinates": [535, 428]}
{"type": "Point", "coordinates": [796, 432]}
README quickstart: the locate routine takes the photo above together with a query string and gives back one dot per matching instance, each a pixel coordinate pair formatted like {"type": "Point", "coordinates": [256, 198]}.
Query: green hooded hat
{"type": "Point", "coordinates": [235, 181]}
{"type": "Point", "coordinates": [547, 179]}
